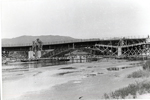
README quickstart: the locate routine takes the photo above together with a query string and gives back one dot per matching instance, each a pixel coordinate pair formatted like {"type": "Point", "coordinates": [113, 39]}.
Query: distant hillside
{"type": "Point", "coordinates": [29, 39]}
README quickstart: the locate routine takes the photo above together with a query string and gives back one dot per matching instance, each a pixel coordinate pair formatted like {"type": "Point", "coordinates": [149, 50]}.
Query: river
{"type": "Point", "coordinates": [42, 81]}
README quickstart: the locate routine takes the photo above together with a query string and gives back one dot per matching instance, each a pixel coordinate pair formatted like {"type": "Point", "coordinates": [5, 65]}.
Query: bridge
{"type": "Point", "coordinates": [124, 47]}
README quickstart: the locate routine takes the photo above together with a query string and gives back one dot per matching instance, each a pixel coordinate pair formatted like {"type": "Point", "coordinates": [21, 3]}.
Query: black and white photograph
{"type": "Point", "coordinates": [75, 49]}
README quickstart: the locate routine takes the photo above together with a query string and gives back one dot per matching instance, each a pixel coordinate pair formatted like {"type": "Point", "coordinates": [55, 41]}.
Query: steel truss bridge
{"type": "Point", "coordinates": [116, 47]}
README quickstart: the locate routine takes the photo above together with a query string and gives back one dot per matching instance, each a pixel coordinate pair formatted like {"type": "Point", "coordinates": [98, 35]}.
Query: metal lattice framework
{"type": "Point", "coordinates": [124, 50]}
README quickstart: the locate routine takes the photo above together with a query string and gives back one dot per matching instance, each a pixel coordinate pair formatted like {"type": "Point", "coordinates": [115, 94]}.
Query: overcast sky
{"type": "Point", "coordinates": [75, 18]}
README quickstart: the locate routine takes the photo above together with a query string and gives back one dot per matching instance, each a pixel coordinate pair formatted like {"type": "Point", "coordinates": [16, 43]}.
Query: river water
{"type": "Point", "coordinates": [64, 81]}
{"type": "Point", "coordinates": [14, 67]}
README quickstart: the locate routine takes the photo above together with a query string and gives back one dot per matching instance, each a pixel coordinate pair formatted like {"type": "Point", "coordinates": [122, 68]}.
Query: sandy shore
{"type": "Point", "coordinates": [86, 81]}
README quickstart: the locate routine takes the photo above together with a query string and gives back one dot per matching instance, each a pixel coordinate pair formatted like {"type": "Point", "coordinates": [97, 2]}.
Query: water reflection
{"type": "Point", "coordinates": [13, 67]}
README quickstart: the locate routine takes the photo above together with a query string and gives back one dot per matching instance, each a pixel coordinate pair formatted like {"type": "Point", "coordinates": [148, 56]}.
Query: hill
{"type": "Point", "coordinates": [29, 39]}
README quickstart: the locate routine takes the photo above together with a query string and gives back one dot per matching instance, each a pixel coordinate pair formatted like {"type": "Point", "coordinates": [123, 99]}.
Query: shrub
{"type": "Point", "coordinates": [132, 90]}
{"type": "Point", "coordinates": [139, 73]}
{"type": "Point", "coordinates": [146, 66]}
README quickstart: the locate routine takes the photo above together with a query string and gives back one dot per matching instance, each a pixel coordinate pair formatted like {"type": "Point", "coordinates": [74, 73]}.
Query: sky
{"type": "Point", "coordinates": [75, 18]}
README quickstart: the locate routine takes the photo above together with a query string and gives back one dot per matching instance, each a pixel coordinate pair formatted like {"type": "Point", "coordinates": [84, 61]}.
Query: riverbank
{"type": "Point", "coordinates": [88, 81]}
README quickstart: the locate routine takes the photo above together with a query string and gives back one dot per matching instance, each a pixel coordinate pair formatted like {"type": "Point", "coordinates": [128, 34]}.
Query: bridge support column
{"type": "Point", "coordinates": [73, 45]}
{"type": "Point", "coordinates": [148, 40]}
{"type": "Point", "coordinates": [31, 55]}
{"type": "Point", "coordinates": [119, 51]}
{"type": "Point", "coordinates": [38, 54]}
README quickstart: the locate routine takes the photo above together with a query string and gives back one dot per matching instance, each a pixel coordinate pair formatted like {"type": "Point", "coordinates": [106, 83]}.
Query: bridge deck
{"type": "Point", "coordinates": [69, 41]}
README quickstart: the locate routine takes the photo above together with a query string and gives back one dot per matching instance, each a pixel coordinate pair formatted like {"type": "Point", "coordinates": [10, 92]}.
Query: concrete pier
{"type": "Point", "coordinates": [148, 40]}
{"type": "Point", "coordinates": [38, 54]}
{"type": "Point", "coordinates": [119, 51]}
{"type": "Point", "coordinates": [31, 55]}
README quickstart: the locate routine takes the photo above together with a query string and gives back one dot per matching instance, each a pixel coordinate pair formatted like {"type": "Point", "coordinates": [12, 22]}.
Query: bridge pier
{"type": "Point", "coordinates": [119, 51]}
{"type": "Point", "coordinates": [73, 46]}
{"type": "Point", "coordinates": [31, 55]}
{"type": "Point", "coordinates": [38, 54]}
{"type": "Point", "coordinates": [148, 40]}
